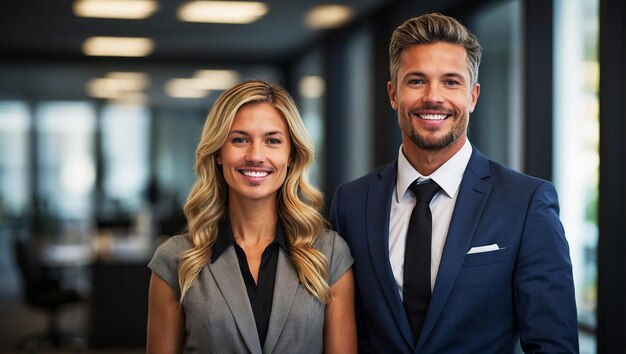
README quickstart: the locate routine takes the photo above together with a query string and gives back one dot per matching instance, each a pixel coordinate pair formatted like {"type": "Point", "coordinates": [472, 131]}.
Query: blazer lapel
{"type": "Point", "coordinates": [379, 194]}
{"type": "Point", "coordinates": [285, 288]}
{"type": "Point", "coordinates": [473, 194]}
{"type": "Point", "coordinates": [228, 277]}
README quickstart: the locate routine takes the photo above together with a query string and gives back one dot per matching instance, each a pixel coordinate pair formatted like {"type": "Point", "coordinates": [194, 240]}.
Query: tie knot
{"type": "Point", "coordinates": [424, 192]}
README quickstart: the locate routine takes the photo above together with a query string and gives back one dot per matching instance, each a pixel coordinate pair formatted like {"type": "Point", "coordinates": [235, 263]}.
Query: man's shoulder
{"type": "Point", "coordinates": [509, 173]}
{"type": "Point", "coordinates": [506, 178]}
{"type": "Point", "coordinates": [482, 167]}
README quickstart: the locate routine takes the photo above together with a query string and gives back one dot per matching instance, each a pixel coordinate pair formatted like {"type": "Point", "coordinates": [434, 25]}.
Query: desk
{"type": "Point", "coordinates": [118, 281]}
{"type": "Point", "coordinates": [67, 263]}
{"type": "Point", "coordinates": [67, 254]}
{"type": "Point", "coordinates": [119, 304]}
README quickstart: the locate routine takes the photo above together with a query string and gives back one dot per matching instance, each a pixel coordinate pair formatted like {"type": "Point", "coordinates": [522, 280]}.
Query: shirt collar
{"type": "Point", "coordinates": [448, 176]}
{"type": "Point", "coordinates": [226, 239]}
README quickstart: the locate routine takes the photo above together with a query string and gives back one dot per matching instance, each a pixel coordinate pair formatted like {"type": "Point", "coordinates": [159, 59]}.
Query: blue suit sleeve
{"type": "Point", "coordinates": [543, 281]}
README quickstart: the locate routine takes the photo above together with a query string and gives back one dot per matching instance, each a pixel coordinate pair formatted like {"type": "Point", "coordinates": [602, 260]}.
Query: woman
{"type": "Point", "coordinates": [257, 272]}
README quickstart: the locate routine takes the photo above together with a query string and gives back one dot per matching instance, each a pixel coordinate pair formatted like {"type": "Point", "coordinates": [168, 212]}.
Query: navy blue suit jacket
{"type": "Point", "coordinates": [481, 302]}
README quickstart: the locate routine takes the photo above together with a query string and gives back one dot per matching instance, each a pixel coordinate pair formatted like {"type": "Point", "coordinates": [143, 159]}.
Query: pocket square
{"type": "Point", "coordinates": [482, 249]}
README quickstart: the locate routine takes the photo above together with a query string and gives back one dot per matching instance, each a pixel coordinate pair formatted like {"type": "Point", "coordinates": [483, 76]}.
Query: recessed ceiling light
{"type": "Point", "coordinates": [312, 86]}
{"type": "Point", "coordinates": [235, 12]}
{"type": "Point", "coordinates": [216, 79]}
{"type": "Point", "coordinates": [119, 9]}
{"type": "Point", "coordinates": [139, 80]}
{"type": "Point", "coordinates": [119, 86]}
{"type": "Point", "coordinates": [130, 98]}
{"type": "Point", "coordinates": [328, 16]}
{"type": "Point", "coordinates": [118, 46]}
{"type": "Point", "coordinates": [184, 88]}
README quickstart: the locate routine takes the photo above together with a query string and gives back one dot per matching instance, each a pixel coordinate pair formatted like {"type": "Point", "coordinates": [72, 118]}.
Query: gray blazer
{"type": "Point", "coordinates": [218, 315]}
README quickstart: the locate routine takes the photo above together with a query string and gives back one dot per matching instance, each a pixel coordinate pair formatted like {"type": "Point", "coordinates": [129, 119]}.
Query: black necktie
{"type": "Point", "coordinates": [416, 282]}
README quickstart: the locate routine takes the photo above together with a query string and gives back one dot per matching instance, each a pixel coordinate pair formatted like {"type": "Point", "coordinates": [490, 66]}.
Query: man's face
{"type": "Point", "coordinates": [433, 96]}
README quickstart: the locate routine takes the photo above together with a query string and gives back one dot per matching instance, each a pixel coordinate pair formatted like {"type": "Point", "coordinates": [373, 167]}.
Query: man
{"type": "Point", "coordinates": [498, 262]}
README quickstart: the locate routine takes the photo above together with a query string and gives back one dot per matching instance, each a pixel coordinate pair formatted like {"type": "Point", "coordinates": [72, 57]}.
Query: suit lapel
{"type": "Point", "coordinates": [285, 288]}
{"type": "Point", "coordinates": [473, 194]}
{"type": "Point", "coordinates": [228, 277]}
{"type": "Point", "coordinates": [379, 194]}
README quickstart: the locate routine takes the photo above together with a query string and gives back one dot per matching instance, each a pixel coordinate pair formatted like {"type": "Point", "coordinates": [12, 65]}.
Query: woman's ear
{"type": "Point", "coordinates": [218, 158]}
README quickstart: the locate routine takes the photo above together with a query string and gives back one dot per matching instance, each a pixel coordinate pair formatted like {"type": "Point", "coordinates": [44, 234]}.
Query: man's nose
{"type": "Point", "coordinates": [433, 93]}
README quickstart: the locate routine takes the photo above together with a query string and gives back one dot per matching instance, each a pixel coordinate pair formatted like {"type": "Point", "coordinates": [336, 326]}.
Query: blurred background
{"type": "Point", "coordinates": [102, 103]}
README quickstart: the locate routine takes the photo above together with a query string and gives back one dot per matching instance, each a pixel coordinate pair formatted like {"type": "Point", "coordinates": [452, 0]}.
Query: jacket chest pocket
{"type": "Point", "coordinates": [485, 258]}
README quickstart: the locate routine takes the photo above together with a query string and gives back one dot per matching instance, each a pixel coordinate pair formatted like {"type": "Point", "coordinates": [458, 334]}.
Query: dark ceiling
{"type": "Point", "coordinates": [48, 28]}
{"type": "Point", "coordinates": [40, 42]}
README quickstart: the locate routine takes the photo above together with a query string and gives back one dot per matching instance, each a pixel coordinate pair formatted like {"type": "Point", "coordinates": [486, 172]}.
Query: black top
{"type": "Point", "coordinates": [260, 294]}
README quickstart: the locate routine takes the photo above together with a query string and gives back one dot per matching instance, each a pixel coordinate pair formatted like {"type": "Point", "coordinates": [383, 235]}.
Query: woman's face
{"type": "Point", "coordinates": [256, 153]}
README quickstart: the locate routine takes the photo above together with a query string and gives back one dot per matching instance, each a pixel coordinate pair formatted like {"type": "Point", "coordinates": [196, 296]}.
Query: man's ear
{"type": "Point", "coordinates": [391, 91]}
{"type": "Point", "coordinates": [474, 96]}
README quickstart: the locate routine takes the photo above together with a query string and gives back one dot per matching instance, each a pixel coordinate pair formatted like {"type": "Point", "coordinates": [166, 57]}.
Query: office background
{"type": "Point", "coordinates": [96, 151]}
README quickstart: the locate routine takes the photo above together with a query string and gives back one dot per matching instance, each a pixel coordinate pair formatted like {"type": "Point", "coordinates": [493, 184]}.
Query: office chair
{"type": "Point", "coordinates": [44, 292]}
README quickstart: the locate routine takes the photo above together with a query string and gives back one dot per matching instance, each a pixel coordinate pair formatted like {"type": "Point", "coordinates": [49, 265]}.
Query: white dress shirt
{"type": "Point", "coordinates": [448, 177]}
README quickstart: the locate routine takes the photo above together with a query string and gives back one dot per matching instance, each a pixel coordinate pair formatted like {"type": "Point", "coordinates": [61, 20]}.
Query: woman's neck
{"type": "Point", "coordinates": [253, 223]}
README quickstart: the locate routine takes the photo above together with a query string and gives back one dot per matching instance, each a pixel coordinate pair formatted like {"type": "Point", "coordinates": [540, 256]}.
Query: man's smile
{"type": "Point", "coordinates": [431, 116]}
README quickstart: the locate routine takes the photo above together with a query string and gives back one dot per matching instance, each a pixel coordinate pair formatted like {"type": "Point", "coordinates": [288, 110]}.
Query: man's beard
{"type": "Point", "coordinates": [441, 143]}
{"type": "Point", "coordinates": [436, 145]}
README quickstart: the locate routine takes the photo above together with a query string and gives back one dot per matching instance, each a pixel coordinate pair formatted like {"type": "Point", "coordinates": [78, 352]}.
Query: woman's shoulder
{"type": "Point", "coordinates": [166, 258]}
{"type": "Point", "coordinates": [329, 241]}
{"type": "Point", "coordinates": [336, 251]}
{"type": "Point", "coordinates": [175, 245]}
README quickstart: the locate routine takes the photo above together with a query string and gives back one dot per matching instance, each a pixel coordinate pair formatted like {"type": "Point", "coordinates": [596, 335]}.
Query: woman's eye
{"type": "Point", "coordinates": [273, 141]}
{"type": "Point", "coordinates": [239, 140]}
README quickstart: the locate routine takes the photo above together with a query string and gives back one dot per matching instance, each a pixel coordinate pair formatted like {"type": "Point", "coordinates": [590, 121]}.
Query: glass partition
{"type": "Point", "coordinates": [65, 166]}
{"type": "Point", "coordinates": [14, 168]}
{"type": "Point", "coordinates": [576, 138]}
{"type": "Point", "coordinates": [125, 142]}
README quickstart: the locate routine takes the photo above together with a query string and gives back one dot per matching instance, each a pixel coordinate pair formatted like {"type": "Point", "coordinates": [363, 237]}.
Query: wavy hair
{"type": "Point", "coordinates": [299, 202]}
{"type": "Point", "coordinates": [433, 28]}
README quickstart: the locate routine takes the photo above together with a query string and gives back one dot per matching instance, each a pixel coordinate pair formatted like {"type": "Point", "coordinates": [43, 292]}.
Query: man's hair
{"type": "Point", "coordinates": [429, 29]}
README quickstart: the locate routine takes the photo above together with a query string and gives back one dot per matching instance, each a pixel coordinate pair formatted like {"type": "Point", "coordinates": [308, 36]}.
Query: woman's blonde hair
{"type": "Point", "coordinates": [298, 201]}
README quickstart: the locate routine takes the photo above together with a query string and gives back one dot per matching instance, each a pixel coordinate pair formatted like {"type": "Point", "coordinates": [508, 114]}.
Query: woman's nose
{"type": "Point", "coordinates": [255, 152]}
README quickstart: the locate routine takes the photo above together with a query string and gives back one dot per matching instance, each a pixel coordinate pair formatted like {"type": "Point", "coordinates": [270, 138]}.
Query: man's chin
{"type": "Point", "coordinates": [432, 144]}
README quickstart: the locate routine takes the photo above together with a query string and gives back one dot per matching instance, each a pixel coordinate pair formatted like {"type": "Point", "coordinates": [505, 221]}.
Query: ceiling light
{"type": "Point", "coordinates": [103, 88]}
{"type": "Point", "coordinates": [215, 79]}
{"type": "Point", "coordinates": [312, 86]}
{"type": "Point", "coordinates": [123, 9]}
{"type": "Point", "coordinates": [118, 46]}
{"type": "Point", "coordinates": [139, 78]}
{"type": "Point", "coordinates": [130, 98]}
{"type": "Point", "coordinates": [119, 86]}
{"type": "Point", "coordinates": [328, 16]}
{"type": "Point", "coordinates": [201, 83]}
{"type": "Point", "coordinates": [236, 12]}
{"type": "Point", "coordinates": [184, 88]}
